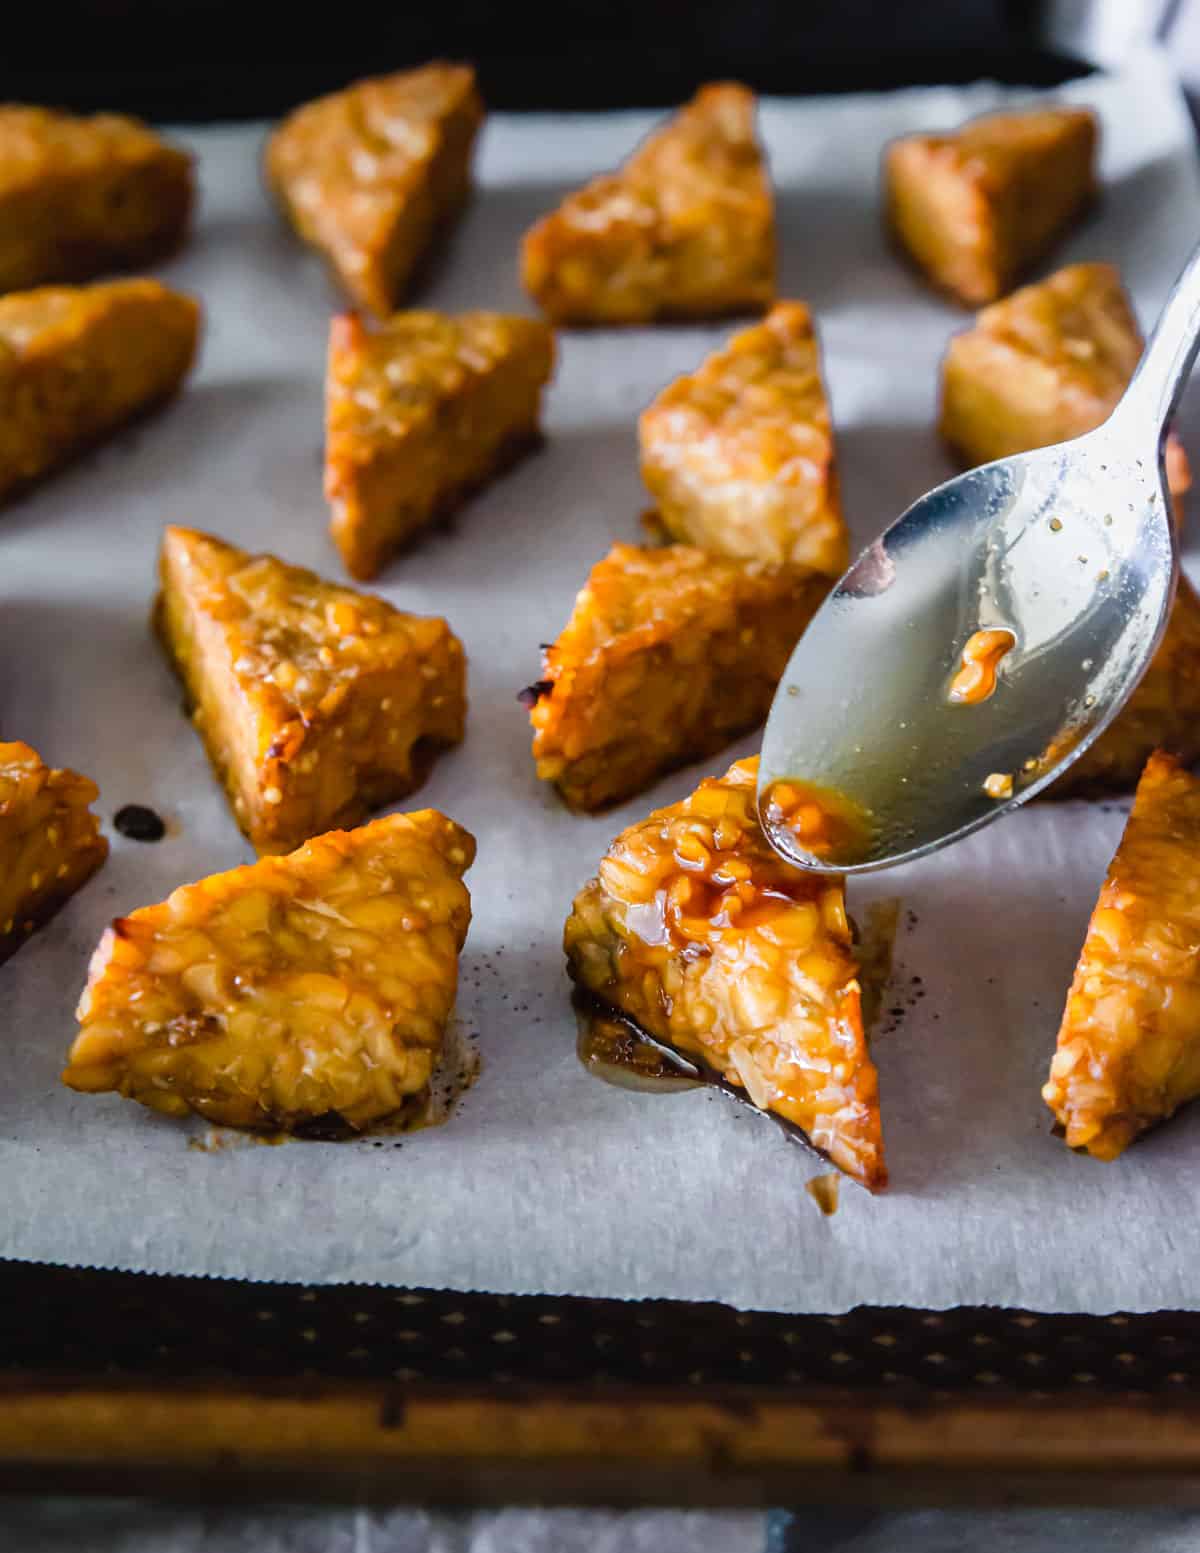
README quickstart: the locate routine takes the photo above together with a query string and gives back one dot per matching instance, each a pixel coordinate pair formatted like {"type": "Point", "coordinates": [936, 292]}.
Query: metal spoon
{"type": "Point", "coordinates": [1070, 548]}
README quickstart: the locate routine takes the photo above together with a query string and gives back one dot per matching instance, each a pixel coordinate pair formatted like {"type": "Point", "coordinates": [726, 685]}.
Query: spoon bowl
{"type": "Point", "coordinates": [1071, 551]}
{"type": "Point", "coordinates": [1068, 553]}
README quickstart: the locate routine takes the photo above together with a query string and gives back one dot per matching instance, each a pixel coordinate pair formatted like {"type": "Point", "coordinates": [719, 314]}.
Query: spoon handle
{"type": "Point", "coordinates": [1158, 384]}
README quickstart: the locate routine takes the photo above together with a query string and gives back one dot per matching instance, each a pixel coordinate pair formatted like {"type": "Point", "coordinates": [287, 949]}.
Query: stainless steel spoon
{"type": "Point", "coordinates": [1070, 548]}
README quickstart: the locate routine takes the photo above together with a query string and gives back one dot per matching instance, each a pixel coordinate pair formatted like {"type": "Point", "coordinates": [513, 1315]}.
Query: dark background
{"type": "Point", "coordinates": [202, 59]}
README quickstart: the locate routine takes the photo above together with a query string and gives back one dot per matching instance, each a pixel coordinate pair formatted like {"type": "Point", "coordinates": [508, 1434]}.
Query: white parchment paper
{"type": "Point", "coordinates": [546, 1179]}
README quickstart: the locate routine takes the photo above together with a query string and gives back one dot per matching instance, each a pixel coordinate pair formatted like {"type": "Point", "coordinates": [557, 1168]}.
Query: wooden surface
{"type": "Point", "coordinates": [391, 1444]}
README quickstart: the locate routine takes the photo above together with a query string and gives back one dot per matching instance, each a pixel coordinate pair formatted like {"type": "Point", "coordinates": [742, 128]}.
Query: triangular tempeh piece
{"type": "Point", "coordinates": [80, 197]}
{"type": "Point", "coordinates": [310, 987]}
{"type": "Point", "coordinates": [739, 454]}
{"type": "Point", "coordinates": [76, 362]}
{"type": "Point", "coordinates": [371, 174]}
{"type": "Point", "coordinates": [1048, 363]}
{"type": "Point", "coordinates": [669, 654]}
{"type": "Point", "coordinates": [976, 208]}
{"type": "Point", "coordinates": [685, 229]}
{"type": "Point", "coordinates": [1129, 1046]}
{"type": "Point", "coordinates": [50, 841]}
{"type": "Point", "coordinates": [315, 702]}
{"type": "Point", "coordinates": [696, 931]}
{"type": "Point", "coordinates": [420, 412]}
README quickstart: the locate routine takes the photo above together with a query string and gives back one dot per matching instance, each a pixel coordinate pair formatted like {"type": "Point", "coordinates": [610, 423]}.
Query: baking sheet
{"type": "Point", "coordinates": [545, 1179]}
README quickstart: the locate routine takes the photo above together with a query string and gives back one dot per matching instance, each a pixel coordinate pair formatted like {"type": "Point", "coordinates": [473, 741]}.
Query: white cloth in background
{"type": "Point", "coordinates": [130, 1526]}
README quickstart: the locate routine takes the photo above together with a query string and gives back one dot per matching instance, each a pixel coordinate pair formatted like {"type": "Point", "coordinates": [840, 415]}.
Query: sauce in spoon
{"type": "Point", "coordinates": [982, 655]}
